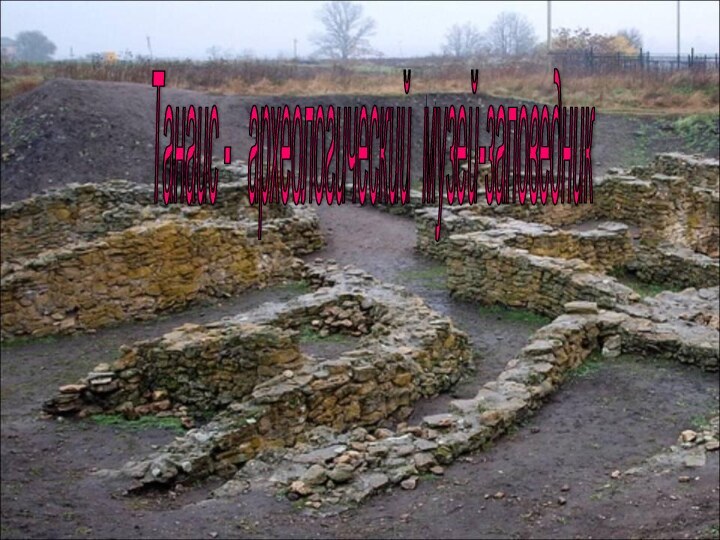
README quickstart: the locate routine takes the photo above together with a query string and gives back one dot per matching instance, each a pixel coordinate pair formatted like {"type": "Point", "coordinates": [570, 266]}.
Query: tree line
{"type": "Point", "coordinates": [347, 34]}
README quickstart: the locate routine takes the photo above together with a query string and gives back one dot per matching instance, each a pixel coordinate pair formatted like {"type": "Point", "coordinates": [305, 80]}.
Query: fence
{"type": "Point", "coordinates": [588, 62]}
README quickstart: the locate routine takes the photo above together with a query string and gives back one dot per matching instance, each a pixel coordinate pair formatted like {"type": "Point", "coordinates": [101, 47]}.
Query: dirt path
{"type": "Point", "coordinates": [610, 416]}
{"type": "Point", "coordinates": [383, 244]}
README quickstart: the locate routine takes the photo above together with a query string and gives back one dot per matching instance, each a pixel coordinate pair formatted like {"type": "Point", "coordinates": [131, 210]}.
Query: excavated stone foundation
{"type": "Point", "coordinates": [86, 256]}
{"type": "Point", "coordinates": [285, 421]}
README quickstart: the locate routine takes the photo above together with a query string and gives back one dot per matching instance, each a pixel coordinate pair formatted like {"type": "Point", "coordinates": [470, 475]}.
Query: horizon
{"type": "Point", "coordinates": [77, 32]}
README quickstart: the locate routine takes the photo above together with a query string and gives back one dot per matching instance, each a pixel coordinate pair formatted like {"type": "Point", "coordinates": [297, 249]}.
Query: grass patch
{"type": "Point", "coordinates": [434, 272]}
{"type": "Point", "coordinates": [702, 422]}
{"type": "Point", "coordinates": [637, 152]}
{"type": "Point", "coordinates": [28, 340]}
{"type": "Point", "coordinates": [428, 477]}
{"type": "Point", "coordinates": [435, 277]}
{"type": "Point", "coordinates": [515, 314]}
{"type": "Point", "coordinates": [700, 131]}
{"type": "Point", "coordinates": [144, 422]}
{"type": "Point", "coordinates": [641, 287]}
{"type": "Point", "coordinates": [299, 287]}
{"type": "Point", "coordinates": [308, 334]}
{"type": "Point", "coordinates": [591, 365]}
{"type": "Point", "coordinates": [646, 289]}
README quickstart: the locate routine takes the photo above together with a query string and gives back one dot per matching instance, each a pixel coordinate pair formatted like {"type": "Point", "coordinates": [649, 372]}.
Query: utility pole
{"type": "Point", "coordinates": [549, 26]}
{"type": "Point", "coordinates": [295, 49]}
{"type": "Point", "coordinates": [678, 33]}
{"type": "Point", "coordinates": [149, 47]}
{"type": "Point", "coordinates": [549, 34]}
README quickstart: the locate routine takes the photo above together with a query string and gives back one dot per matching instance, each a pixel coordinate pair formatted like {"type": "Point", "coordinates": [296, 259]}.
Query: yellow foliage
{"type": "Point", "coordinates": [622, 45]}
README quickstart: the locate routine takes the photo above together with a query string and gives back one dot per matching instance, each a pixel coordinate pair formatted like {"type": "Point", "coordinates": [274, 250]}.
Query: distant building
{"type": "Point", "coordinates": [8, 49]}
{"type": "Point", "coordinates": [110, 57]}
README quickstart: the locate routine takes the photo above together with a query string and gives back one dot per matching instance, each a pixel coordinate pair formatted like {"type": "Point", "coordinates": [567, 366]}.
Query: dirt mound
{"type": "Point", "coordinates": [69, 131]}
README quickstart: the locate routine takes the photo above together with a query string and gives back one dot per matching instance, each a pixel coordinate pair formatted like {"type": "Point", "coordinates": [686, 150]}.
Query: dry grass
{"type": "Point", "coordinates": [350, 83]}
{"type": "Point", "coordinates": [678, 93]}
{"type": "Point", "coordinates": [14, 86]}
{"type": "Point", "coordinates": [681, 92]}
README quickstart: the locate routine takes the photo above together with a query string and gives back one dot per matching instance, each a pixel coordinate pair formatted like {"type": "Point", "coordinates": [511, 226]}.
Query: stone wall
{"type": "Point", "coordinates": [665, 208]}
{"type": "Point", "coordinates": [83, 212]}
{"type": "Point", "coordinates": [191, 369]}
{"type": "Point", "coordinates": [698, 171]}
{"type": "Point", "coordinates": [338, 466]}
{"type": "Point", "coordinates": [675, 266]}
{"type": "Point", "coordinates": [465, 220]}
{"type": "Point", "coordinates": [681, 326]}
{"type": "Point", "coordinates": [298, 225]}
{"type": "Point", "coordinates": [672, 237]}
{"type": "Point", "coordinates": [407, 352]}
{"type": "Point", "coordinates": [455, 221]}
{"type": "Point", "coordinates": [75, 213]}
{"type": "Point", "coordinates": [674, 199]}
{"type": "Point", "coordinates": [135, 273]}
{"type": "Point", "coordinates": [306, 427]}
{"type": "Point", "coordinates": [346, 468]}
{"type": "Point", "coordinates": [482, 268]}
{"type": "Point", "coordinates": [529, 265]}
{"type": "Point", "coordinates": [85, 256]}
{"type": "Point", "coordinates": [606, 246]}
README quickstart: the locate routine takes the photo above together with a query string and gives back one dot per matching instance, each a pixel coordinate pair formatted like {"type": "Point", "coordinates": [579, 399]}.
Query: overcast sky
{"type": "Point", "coordinates": [188, 29]}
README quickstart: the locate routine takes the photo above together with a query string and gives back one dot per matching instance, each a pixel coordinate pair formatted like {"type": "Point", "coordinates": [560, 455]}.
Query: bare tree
{"type": "Point", "coordinates": [463, 41]}
{"type": "Point", "coordinates": [346, 31]}
{"type": "Point", "coordinates": [511, 35]}
{"type": "Point", "coordinates": [633, 36]}
{"type": "Point", "coordinates": [214, 53]}
{"type": "Point", "coordinates": [247, 54]}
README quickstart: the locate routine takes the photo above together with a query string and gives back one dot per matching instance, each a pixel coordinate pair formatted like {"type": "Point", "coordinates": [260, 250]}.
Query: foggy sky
{"type": "Point", "coordinates": [188, 29]}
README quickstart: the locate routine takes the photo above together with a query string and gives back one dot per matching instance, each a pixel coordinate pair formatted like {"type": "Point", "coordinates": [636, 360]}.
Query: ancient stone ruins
{"type": "Point", "coordinates": [87, 256]}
